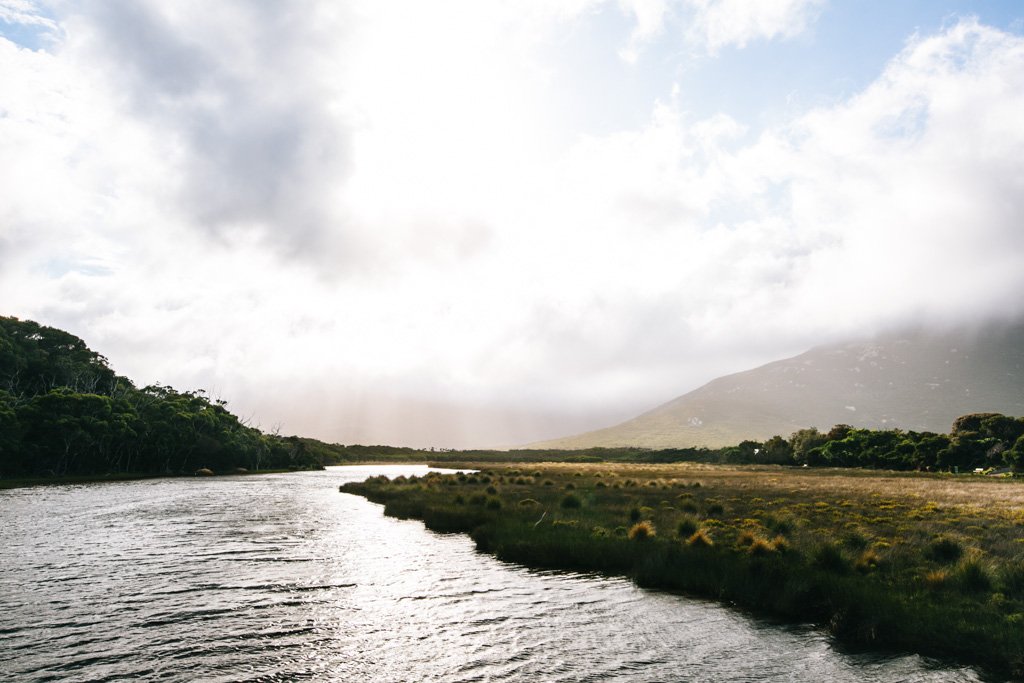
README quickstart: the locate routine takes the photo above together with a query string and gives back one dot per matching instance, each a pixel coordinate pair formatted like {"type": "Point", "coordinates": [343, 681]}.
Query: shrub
{"type": "Point", "coordinates": [761, 547]}
{"type": "Point", "coordinates": [829, 557]}
{"type": "Point", "coordinates": [570, 486]}
{"type": "Point", "coordinates": [548, 482]}
{"type": "Point", "coordinates": [1011, 579]}
{"type": "Point", "coordinates": [477, 499]}
{"type": "Point", "coordinates": [700, 539]}
{"type": "Point", "coordinates": [687, 527]}
{"type": "Point", "coordinates": [634, 514]}
{"type": "Point", "coordinates": [780, 543]}
{"type": "Point", "coordinates": [855, 540]}
{"type": "Point", "coordinates": [945, 550]}
{"type": "Point", "coordinates": [868, 562]}
{"type": "Point", "coordinates": [491, 490]}
{"type": "Point", "coordinates": [972, 576]}
{"type": "Point", "coordinates": [745, 539]}
{"type": "Point", "coordinates": [528, 502]}
{"type": "Point", "coordinates": [641, 531]}
{"type": "Point", "coordinates": [493, 504]}
{"type": "Point", "coordinates": [780, 525]}
{"type": "Point", "coordinates": [459, 500]}
{"type": "Point", "coordinates": [936, 580]}
{"type": "Point", "coordinates": [571, 501]}
{"type": "Point", "coordinates": [688, 506]}
{"type": "Point", "coordinates": [715, 509]}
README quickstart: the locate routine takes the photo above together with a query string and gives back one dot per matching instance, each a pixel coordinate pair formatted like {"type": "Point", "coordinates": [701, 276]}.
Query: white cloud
{"type": "Point", "coordinates": [724, 23]}
{"type": "Point", "coordinates": [24, 12]}
{"type": "Point", "coordinates": [716, 24]}
{"type": "Point", "coordinates": [372, 209]}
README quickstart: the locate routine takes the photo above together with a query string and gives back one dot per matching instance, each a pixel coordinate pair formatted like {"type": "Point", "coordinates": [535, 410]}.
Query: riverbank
{"type": "Point", "coordinates": [117, 477]}
{"type": "Point", "coordinates": [933, 565]}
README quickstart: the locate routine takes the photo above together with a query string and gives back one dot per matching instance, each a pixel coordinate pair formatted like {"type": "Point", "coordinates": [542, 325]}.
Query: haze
{"type": "Point", "coordinates": [486, 223]}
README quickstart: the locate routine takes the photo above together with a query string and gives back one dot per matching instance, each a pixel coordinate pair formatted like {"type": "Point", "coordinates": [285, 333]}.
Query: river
{"type": "Point", "coordinates": [280, 577]}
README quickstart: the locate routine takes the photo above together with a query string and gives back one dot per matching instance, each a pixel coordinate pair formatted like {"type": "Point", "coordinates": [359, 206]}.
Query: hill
{"type": "Point", "coordinates": [914, 380]}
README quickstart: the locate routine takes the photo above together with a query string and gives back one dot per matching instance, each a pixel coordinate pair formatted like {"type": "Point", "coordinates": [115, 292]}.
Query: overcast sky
{"type": "Point", "coordinates": [478, 223]}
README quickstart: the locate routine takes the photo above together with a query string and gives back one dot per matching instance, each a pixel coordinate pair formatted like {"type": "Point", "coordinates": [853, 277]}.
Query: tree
{"type": "Point", "coordinates": [775, 451]}
{"type": "Point", "coordinates": [1014, 457]}
{"type": "Point", "coordinates": [803, 440]}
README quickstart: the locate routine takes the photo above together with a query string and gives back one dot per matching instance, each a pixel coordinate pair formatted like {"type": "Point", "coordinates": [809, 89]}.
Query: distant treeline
{"type": "Point", "coordinates": [980, 440]}
{"type": "Point", "coordinates": [65, 412]}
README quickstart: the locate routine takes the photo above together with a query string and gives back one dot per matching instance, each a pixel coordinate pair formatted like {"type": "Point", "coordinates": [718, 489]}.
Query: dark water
{"type": "Point", "coordinates": [280, 577]}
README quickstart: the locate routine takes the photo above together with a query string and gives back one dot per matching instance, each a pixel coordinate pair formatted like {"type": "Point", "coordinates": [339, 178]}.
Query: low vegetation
{"type": "Point", "coordinates": [927, 563]}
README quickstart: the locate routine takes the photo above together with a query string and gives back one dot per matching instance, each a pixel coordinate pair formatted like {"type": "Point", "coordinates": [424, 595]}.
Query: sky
{"type": "Point", "coordinates": [483, 223]}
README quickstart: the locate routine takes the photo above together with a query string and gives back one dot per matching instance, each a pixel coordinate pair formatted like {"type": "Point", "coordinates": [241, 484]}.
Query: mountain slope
{"type": "Point", "coordinates": [918, 381]}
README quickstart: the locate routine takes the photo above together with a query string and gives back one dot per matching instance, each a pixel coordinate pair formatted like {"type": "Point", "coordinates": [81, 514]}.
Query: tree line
{"type": "Point", "coordinates": [986, 441]}
{"type": "Point", "coordinates": [65, 412]}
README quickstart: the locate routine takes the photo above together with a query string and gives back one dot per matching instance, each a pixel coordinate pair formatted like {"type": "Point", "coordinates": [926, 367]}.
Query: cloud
{"type": "Point", "coordinates": [716, 24]}
{"type": "Point", "coordinates": [915, 183]}
{"type": "Point", "coordinates": [24, 12]}
{"type": "Point", "coordinates": [360, 222]}
{"type": "Point", "coordinates": [252, 126]}
{"type": "Point", "coordinates": [723, 23]}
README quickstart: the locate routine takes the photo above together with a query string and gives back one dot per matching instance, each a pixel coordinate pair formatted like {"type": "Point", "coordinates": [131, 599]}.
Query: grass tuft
{"type": "Point", "coordinates": [642, 531]}
{"type": "Point", "coordinates": [571, 501]}
{"type": "Point", "coordinates": [700, 539]}
{"type": "Point", "coordinates": [686, 528]}
{"type": "Point", "coordinates": [945, 550]}
{"type": "Point", "coordinates": [830, 557]}
{"type": "Point", "coordinates": [973, 576]}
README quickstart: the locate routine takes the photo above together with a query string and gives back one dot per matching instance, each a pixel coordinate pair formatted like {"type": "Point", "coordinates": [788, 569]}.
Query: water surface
{"type": "Point", "coordinates": [280, 577]}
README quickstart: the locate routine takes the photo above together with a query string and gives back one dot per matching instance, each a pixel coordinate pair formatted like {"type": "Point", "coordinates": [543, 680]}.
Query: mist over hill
{"type": "Point", "coordinates": [914, 380]}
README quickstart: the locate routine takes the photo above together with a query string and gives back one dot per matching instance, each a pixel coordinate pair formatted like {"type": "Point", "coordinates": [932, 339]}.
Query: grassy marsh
{"type": "Point", "coordinates": [932, 564]}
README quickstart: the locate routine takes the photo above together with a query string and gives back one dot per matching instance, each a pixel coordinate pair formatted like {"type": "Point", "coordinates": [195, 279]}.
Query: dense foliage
{"type": "Point", "coordinates": [986, 441]}
{"type": "Point", "coordinates": [65, 412]}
